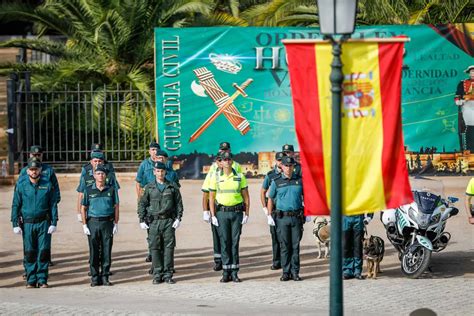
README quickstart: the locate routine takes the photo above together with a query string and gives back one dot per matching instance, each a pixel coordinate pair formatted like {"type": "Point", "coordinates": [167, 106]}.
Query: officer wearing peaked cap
{"type": "Point", "coordinates": [230, 205]}
{"type": "Point", "coordinates": [97, 157]}
{"type": "Point", "coordinates": [47, 172]}
{"type": "Point", "coordinates": [100, 217]}
{"type": "Point", "coordinates": [289, 150]}
{"type": "Point", "coordinates": [271, 217]}
{"type": "Point", "coordinates": [286, 196]}
{"type": "Point", "coordinates": [160, 210]}
{"type": "Point", "coordinates": [217, 165]}
{"type": "Point", "coordinates": [35, 215]}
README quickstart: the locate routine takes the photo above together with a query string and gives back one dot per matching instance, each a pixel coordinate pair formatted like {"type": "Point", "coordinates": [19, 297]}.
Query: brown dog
{"type": "Point", "coordinates": [374, 249]}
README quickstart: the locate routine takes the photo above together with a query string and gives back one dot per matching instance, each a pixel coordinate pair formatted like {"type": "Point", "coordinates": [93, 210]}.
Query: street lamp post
{"type": "Point", "coordinates": [336, 17]}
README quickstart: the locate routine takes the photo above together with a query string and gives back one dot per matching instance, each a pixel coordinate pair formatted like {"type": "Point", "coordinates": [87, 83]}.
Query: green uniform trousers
{"type": "Point", "coordinates": [290, 231]}
{"type": "Point", "coordinates": [162, 244]}
{"type": "Point", "coordinates": [216, 245]}
{"type": "Point", "coordinates": [276, 249]}
{"type": "Point", "coordinates": [353, 230]}
{"type": "Point", "coordinates": [100, 247]}
{"type": "Point", "coordinates": [230, 228]}
{"type": "Point", "coordinates": [37, 251]}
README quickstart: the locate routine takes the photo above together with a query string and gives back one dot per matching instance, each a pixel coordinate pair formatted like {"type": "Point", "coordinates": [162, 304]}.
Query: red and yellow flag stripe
{"type": "Point", "coordinates": [374, 175]}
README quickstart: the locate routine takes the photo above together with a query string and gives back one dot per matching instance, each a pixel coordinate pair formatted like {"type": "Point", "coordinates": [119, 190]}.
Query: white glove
{"type": "Point", "coordinates": [17, 230]}
{"type": "Point", "coordinates": [367, 220]}
{"type": "Point", "coordinates": [176, 223]}
{"type": "Point", "coordinates": [206, 216]}
{"type": "Point", "coordinates": [86, 230]}
{"type": "Point", "coordinates": [245, 219]}
{"type": "Point", "coordinates": [214, 221]}
{"type": "Point", "coordinates": [265, 210]}
{"type": "Point", "coordinates": [144, 226]}
{"type": "Point", "coordinates": [270, 220]}
{"type": "Point", "coordinates": [51, 229]}
{"type": "Point", "coordinates": [307, 219]}
{"type": "Point", "coordinates": [459, 102]}
{"type": "Point", "coordinates": [79, 217]}
{"type": "Point", "coordinates": [115, 230]}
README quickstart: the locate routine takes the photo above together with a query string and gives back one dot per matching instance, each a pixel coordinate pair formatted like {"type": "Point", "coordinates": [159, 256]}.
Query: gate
{"type": "Point", "coordinates": [67, 121]}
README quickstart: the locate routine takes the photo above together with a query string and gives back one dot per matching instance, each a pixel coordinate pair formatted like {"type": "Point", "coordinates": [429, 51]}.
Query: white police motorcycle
{"type": "Point", "coordinates": [417, 229]}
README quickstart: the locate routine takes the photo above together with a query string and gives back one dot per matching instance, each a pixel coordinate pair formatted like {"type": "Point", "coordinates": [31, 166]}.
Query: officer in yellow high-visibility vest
{"type": "Point", "coordinates": [230, 204]}
{"type": "Point", "coordinates": [206, 215]}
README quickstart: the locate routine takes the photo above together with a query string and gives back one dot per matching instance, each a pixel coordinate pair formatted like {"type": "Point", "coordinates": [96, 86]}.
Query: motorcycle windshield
{"type": "Point", "coordinates": [427, 194]}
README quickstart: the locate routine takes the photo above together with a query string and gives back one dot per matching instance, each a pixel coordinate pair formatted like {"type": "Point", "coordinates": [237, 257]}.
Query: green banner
{"type": "Point", "coordinates": [199, 69]}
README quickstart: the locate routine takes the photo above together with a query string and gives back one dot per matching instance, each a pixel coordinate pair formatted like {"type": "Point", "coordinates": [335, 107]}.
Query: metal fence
{"type": "Point", "coordinates": [66, 122]}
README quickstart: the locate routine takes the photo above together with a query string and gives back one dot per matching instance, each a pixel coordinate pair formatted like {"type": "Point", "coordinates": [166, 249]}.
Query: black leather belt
{"type": "Point", "coordinates": [36, 220]}
{"type": "Point", "coordinates": [234, 208]}
{"type": "Point", "coordinates": [151, 218]}
{"type": "Point", "coordinates": [101, 218]}
{"type": "Point", "coordinates": [291, 213]}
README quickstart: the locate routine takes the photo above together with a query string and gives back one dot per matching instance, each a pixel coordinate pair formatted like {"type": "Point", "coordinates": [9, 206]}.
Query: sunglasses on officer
{"type": "Point", "coordinates": [227, 159]}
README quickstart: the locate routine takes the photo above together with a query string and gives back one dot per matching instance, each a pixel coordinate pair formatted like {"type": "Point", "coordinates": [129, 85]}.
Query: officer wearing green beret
{"type": "Point", "coordinates": [87, 178]}
{"type": "Point", "coordinates": [289, 150]}
{"type": "Point", "coordinates": [286, 193]}
{"type": "Point", "coordinates": [160, 210]}
{"type": "Point", "coordinates": [206, 216]}
{"type": "Point", "coordinates": [35, 215]}
{"type": "Point", "coordinates": [100, 217]}
{"type": "Point", "coordinates": [230, 205]}
{"type": "Point", "coordinates": [271, 176]}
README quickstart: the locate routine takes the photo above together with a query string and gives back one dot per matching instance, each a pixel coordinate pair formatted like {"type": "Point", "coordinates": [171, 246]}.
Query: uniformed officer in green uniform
{"type": "Point", "coordinates": [270, 176]}
{"type": "Point", "coordinates": [145, 175]}
{"type": "Point", "coordinates": [206, 215]}
{"type": "Point", "coordinates": [47, 172]}
{"type": "Point", "coordinates": [35, 215]}
{"type": "Point", "coordinates": [100, 217]}
{"type": "Point", "coordinates": [230, 205]}
{"type": "Point", "coordinates": [160, 210]}
{"type": "Point", "coordinates": [286, 193]}
{"type": "Point", "coordinates": [353, 237]}
{"type": "Point", "coordinates": [171, 175]}
{"type": "Point", "coordinates": [87, 178]}
{"type": "Point", "coordinates": [289, 150]}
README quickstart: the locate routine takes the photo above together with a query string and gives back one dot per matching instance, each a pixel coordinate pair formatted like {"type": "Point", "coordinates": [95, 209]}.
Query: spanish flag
{"type": "Point", "coordinates": [374, 173]}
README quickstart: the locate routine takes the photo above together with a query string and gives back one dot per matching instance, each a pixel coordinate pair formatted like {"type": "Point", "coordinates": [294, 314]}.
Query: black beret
{"type": "Point", "coordinates": [101, 168]}
{"type": "Point", "coordinates": [154, 144]}
{"type": "Point", "coordinates": [162, 153]}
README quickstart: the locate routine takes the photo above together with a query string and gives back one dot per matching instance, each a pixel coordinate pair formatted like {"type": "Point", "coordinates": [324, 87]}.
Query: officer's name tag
{"type": "Point", "coordinates": [42, 188]}
{"type": "Point", "coordinates": [237, 178]}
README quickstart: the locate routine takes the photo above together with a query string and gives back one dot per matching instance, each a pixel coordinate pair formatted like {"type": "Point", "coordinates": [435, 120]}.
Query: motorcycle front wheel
{"type": "Point", "coordinates": [415, 261]}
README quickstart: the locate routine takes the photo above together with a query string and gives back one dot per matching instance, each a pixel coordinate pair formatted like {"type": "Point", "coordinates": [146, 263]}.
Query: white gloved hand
{"type": "Point", "coordinates": [206, 216]}
{"type": "Point", "coordinates": [367, 220]}
{"type": "Point", "coordinates": [265, 210]}
{"type": "Point", "coordinates": [86, 230]}
{"type": "Point", "coordinates": [459, 102]}
{"type": "Point", "coordinates": [79, 217]}
{"type": "Point", "coordinates": [144, 226]}
{"type": "Point", "coordinates": [176, 223]}
{"type": "Point", "coordinates": [115, 230]}
{"type": "Point", "coordinates": [51, 229]}
{"type": "Point", "coordinates": [214, 221]}
{"type": "Point", "coordinates": [245, 219]}
{"type": "Point", "coordinates": [17, 230]}
{"type": "Point", "coordinates": [307, 219]}
{"type": "Point", "coordinates": [270, 220]}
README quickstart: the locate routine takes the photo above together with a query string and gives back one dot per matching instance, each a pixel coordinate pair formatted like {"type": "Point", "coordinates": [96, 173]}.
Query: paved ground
{"type": "Point", "coordinates": [447, 291]}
